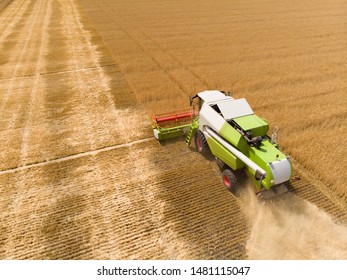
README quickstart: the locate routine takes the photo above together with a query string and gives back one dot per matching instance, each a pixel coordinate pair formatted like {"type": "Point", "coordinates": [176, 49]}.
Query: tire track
{"type": "Point", "coordinates": [75, 156]}
{"type": "Point", "coordinates": [13, 15]}
{"type": "Point", "coordinates": [15, 207]}
{"type": "Point", "coordinates": [58, 72]}
{"type": "Point", "coordinates": [4, 4]}
{"type": "Point", "coordinates": [33, 93]}
{"type": "Point", "coordinates": [23, 54]}
{"type": "Point", "coordinates": [13, 104]}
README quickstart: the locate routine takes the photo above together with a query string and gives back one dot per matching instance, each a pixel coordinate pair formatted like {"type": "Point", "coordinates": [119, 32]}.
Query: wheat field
{"type": "Point", "coordinates": [287, 58]}
{"type": "Point", "coordinates": [81, 175]}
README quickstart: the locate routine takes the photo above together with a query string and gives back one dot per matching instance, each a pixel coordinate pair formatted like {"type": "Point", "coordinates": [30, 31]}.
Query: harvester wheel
{"type": "Point", "coordinates": [229, 180]}
{"type": "Point", "coordinates": [201, 143]}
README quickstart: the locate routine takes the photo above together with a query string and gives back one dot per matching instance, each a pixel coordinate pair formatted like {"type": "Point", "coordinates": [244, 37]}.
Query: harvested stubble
{"type": "Point", "coordinates": [62, 98]}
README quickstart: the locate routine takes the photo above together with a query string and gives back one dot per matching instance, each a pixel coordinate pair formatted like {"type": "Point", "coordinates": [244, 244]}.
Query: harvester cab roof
{"type": "Point", "coordinates": [238, 114]}
{"type": "Point", "coordinates": [227, 106]}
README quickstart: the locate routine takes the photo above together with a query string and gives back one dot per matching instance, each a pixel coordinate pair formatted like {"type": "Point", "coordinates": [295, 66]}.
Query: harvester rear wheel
{"type": "Point", "coordinates": [229, 180]}
{"type": "Point", "coordinates": [201, 143]}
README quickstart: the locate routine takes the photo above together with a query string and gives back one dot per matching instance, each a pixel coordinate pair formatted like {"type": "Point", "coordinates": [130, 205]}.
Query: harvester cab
{"type": "Point", "coordinates": [229, 129]}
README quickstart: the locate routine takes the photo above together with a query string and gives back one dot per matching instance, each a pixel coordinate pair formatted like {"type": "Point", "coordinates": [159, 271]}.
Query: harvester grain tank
{"type": "Point", "coordinates": [229, 129]}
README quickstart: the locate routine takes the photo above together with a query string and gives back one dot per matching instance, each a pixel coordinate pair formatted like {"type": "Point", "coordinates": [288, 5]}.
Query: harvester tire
{"type": "Point", "coordinates": [229, 180]}
{"type": "Point", "coordinates": [201, 143]}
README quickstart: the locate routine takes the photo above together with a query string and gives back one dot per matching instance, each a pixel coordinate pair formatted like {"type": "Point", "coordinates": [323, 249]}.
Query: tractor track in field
{"type": "Point", "coordinates": [4, 4]}
{"type": "Point", "coordinates": [33, 93]}
{"type": "Point", "coordinates": [11, 17]}
{"type": "Point", "coordinates": [58, 72]}
{"type": "Point", "coordinates": [17, 112]}
{"type": "Point", "coordinates": [14, 108]}
{"type": "Point", "coordinates": [32, 20]}
{"type": "Point", "coordinates": [75, 156]}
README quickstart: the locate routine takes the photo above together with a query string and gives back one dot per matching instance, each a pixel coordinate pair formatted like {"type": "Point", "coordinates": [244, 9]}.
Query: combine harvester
{"type": "Point", "coordinates": [236, 137]}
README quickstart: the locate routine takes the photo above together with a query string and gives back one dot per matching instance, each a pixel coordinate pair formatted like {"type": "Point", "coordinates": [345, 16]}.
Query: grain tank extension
{"type": "Point", "coordinates": [237, 138]}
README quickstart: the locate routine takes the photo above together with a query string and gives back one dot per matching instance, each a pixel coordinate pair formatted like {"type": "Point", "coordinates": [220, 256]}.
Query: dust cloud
{"type": "Point", "coordinates": [290, 228]}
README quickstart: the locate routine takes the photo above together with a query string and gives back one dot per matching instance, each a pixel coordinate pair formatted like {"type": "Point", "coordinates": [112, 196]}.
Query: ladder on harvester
{"type": "Point", "coordinates": [274, 136]}
{"type": "Point", "coordinates": [192, 129]}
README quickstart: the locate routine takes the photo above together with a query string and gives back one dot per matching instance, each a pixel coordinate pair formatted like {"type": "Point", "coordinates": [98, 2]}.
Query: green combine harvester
{"type": "Point", "coordinates": [236, 137]}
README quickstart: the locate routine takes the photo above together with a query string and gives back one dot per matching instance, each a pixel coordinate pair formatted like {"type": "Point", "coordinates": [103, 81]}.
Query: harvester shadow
{"type": "Point", "coordinates": [4, 233]}
{"type": "Point", "coordinates": [204, 215]}
{"type": "Point", "coordinates": [67, 225]}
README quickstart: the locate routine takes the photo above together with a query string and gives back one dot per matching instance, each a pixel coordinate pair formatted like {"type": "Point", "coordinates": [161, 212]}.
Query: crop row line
{"type": "Point", "coordinates": [76, 156]}
{"type": "Point", "coordinates": [15, 15]}
{"type": "Point", "coordinates": [60, 72]}
{"type": "Point", "coordinates": [30, 24]}
{"type": "Point", "coordinates": [33, 93]}
{"type": "Point", "coordinates": [4, 5]}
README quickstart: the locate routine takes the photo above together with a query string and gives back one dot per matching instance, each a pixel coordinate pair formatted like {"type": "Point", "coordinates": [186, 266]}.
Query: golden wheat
{"type": "Point", "coordinates": [288, 59]}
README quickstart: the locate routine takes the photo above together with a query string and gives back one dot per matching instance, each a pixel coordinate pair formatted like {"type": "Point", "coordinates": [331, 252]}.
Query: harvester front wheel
{"type": "Point", "coordinates": [229, 180]}
{"type": "Point", "coordinates": [201, 143]}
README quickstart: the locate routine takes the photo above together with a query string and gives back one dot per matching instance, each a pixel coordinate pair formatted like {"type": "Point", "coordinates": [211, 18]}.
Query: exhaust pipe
{"type": "Point", "coordinates": [260, 173]}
